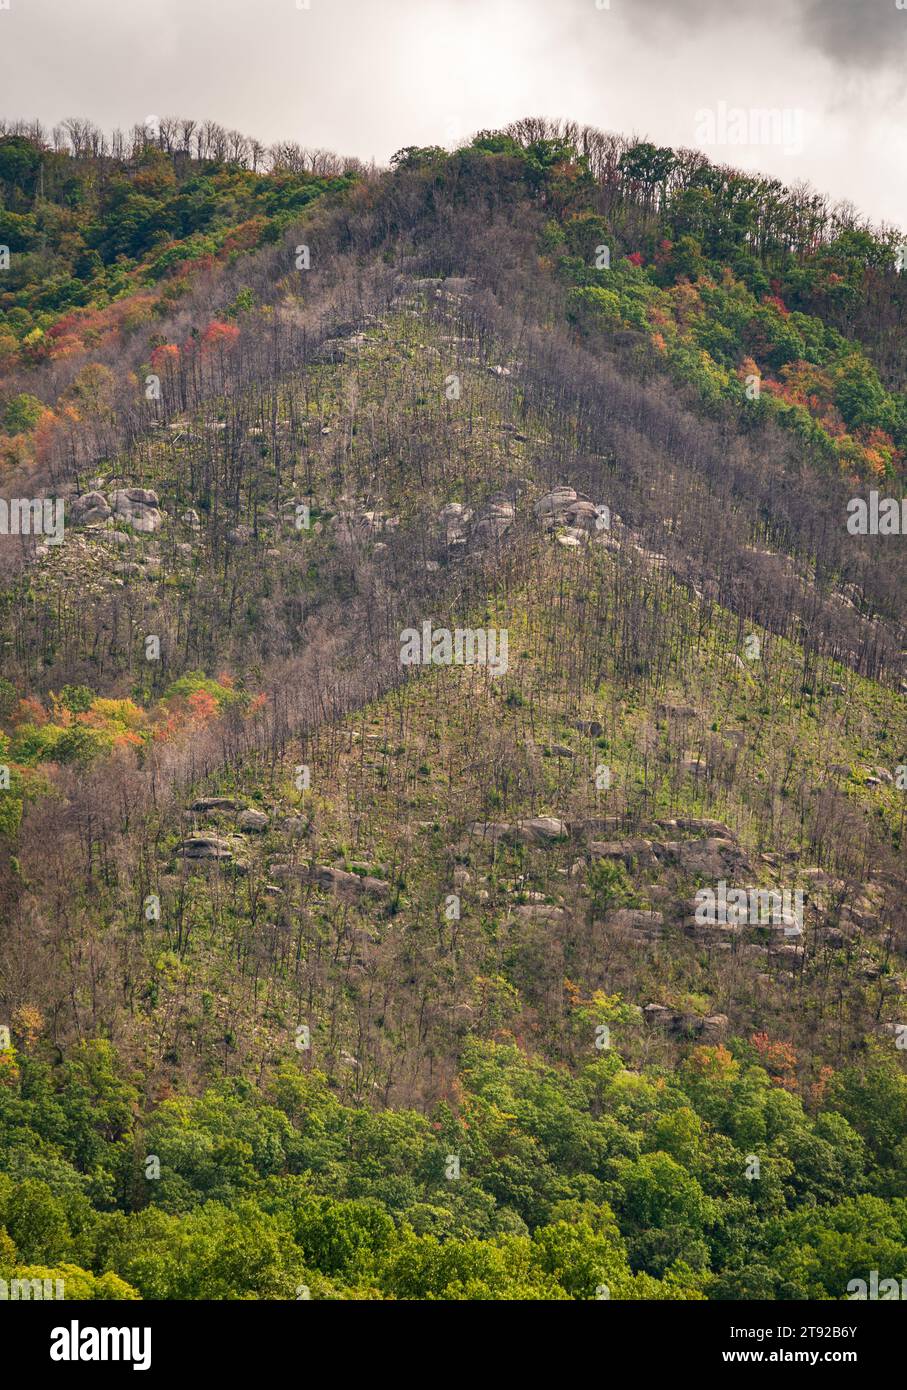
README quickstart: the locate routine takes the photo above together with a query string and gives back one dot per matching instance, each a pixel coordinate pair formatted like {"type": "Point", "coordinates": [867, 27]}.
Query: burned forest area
{"type": "Point", "coordinates": [453, 740]}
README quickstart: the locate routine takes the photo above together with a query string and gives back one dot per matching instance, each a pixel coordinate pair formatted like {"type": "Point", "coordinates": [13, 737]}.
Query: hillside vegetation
{"type": "Point", "coordinates": [326, 975]}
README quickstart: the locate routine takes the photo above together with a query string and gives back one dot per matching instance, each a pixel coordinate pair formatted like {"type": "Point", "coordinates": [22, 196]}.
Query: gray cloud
{"type": "Point", "coordinates": [859, 34]}
{"type": "Point", "coordinates": [854, 34]}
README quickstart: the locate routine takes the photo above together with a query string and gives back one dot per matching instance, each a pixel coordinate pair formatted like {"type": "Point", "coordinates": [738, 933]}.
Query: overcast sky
{"type": "Point", "coordinates": [366, 77]}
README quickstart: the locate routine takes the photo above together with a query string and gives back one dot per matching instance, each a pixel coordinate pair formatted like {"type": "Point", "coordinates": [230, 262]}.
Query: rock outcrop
{"type": "Point", "coordinates": [138, 507]}
{"type": "Point", "coordinates": [205, 847]}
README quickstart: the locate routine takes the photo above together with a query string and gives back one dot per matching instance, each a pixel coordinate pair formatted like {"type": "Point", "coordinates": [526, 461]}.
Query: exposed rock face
{"type": "Point", "coordinates": [536, 830]}
{"type": "Point", "coordinates": [707, 933]}
{"type": "Point", "coordinates": [138, 507]}
{"type": "Point", "coordinates": [135, 497]}
{"type": "Point", "coordinates": [713, 858]}
{"type": "Point", "coordinates": [642, 851]}
{"type": "Point", "coordinates": [357, 523]}
{"type": "Point", "coordinates": [552, 509]}
{"type": "Point", "coordinates": [647, 926]}
{"type": "Point", "coordinates": [281, 871]}
{"type": "Point", "coordinates": [565, 507]}
{"type": "Point", "coordinates": [720, 844]}
{"type": "Point", "coordinates": [544, 913]}
{"type": "Point", "coordinates": [495, 520]}
{"type": "Point", "coordinates": [255, 821]}
{"type": "Point", "coordinates": [349, 885]}
{"type": "Point", "coordinates": [294, 826]}
{"type": "Point", "coordinates": [541, 830]}
{"type": "Point", "coordinates": [583, 515]}
{"type": "Point", "coordinates": [205, 847]}
{"type": "Point", "coordinates": [703, 827]}
{"type": "Point", "coordinates": [89, 509]}
{"type": "Point", "coordinates": [786, 954]}
{"type": "Point", "coordinates": [455, 518]}
{"type": "Point", "coordinates": [594, 826]}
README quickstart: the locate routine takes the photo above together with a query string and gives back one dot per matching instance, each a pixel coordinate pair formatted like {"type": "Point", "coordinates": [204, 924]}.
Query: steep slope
{"type": "Point", "coordinates": [245, 840]}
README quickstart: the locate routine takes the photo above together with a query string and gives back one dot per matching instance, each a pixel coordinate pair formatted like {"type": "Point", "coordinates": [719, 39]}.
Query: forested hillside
{"type": "Point", "coordinates": [456, 590]}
